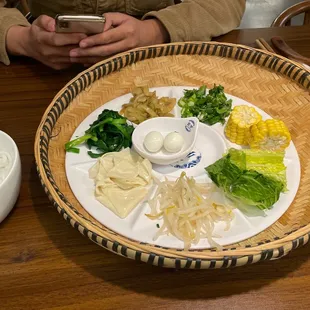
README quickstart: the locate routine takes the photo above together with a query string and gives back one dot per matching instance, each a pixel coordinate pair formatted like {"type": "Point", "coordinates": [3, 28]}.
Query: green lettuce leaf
{"type": "Point", "coordinates": [268, 163]}
{"type": "Point", "coordinates": [246, 185]}
{"type": "Point", "coordinates": [255, 189]}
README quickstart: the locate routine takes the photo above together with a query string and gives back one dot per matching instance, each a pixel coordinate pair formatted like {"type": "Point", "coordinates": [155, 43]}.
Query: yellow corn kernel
{"type": "Point", "coordinates": [239, 123]}
{"type": "Point", "coordinates": [271, 134]}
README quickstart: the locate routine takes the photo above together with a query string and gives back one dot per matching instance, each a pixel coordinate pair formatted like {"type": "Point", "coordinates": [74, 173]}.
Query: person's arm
{"type": "Point", "coordinates": [8, 18]}
{"type": "Point", "coordinates": [200, 20]}
{"type": "Point", "coordinates": [191, 20]}
{"type": "Point", "coordinates": [38, 40]}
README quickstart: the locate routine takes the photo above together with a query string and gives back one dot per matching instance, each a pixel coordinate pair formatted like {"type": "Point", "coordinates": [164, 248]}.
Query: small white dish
{"type": "Point", "coordinates": [209, 147]}
{"type": "Point", "coordinates": [10, 186]}
{"type": "Point", "coordinates": [186, 127]}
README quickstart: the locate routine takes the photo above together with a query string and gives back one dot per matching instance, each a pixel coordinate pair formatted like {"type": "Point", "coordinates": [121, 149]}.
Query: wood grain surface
{"type": "Point", "coordinates": [46, 264]}
{"type": "Point", "coordinates": [297, 37]}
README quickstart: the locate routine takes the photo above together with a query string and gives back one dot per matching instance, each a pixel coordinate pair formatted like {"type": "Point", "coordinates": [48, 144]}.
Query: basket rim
{"type": "Point", "coordinates": [282, 246]}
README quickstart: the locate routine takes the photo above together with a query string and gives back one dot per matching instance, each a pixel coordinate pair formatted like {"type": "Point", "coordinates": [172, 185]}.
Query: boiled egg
{"type": "Point", "coordinates": [153, 141]}
{"type": "Point", "coordinates": [173, 142]}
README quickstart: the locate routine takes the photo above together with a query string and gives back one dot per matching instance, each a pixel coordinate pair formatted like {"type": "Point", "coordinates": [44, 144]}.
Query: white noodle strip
{"type": "Point", "coordinates": [159, 232]}
{"type": "Point", "coordinates": [187, 211]}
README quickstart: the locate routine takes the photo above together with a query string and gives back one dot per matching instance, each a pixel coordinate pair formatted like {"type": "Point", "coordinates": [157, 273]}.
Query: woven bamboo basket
{"type": "Point", "coordinates": [271, 82]}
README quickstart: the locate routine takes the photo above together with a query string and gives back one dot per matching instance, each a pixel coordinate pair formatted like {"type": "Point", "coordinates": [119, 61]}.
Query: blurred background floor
{"type": "Point", "coordinates": [261, 13]}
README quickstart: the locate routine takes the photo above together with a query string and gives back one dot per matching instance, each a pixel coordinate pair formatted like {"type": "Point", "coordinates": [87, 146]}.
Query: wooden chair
{"type": "Point", "coordinates": [24, 6]}
{"type": "Point", "coordinates": [284, 19]}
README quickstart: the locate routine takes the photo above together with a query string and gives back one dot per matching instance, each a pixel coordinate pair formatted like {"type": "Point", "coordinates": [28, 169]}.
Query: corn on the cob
{"type": "Point", "coordinates": [271, 134]}
{"type": "Point", "coordinates": [239, 123]}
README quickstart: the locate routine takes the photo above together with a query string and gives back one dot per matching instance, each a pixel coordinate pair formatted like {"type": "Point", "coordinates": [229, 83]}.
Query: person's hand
{"type": "Point", "coordinates": [121, 33]}
{"type": "Point", "coordinates": [39, 41]}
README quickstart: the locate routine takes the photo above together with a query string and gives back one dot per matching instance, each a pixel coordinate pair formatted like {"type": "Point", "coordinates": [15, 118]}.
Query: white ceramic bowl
{"type": "Point", "coordinates": [187, 127]}
{"type": "Point", "coordinates": [10, 186]}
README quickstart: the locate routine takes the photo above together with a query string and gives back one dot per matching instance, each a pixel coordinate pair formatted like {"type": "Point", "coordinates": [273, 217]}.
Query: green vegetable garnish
{"type": "Point", "coordinates": [268, 163]}
{"type": "Point", "coordinates": [235, 175]}
{"type": "Point", "coordinates": [109, 133]}
{"type": "Point", "coordinates": [209, 108]}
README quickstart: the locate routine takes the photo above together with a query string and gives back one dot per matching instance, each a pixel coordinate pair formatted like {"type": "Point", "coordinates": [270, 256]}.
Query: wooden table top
{"type": "Point", "coordinates": [297, 37]}
{"type": "Point", "coordinates": [46, 264]}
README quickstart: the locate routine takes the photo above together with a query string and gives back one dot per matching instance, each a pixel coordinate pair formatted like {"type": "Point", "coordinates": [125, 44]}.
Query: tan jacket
{"type": "Point", "coordinates": [191, 20]}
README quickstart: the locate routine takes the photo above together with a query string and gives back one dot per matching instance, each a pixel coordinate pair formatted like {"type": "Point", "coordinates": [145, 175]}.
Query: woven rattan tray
{"type": "Point", "coordinates": [275, 84]}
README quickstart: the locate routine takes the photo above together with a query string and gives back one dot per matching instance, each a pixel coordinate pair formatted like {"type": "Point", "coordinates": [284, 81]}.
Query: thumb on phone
{"type": "Point", "coordinates": [45, 22]}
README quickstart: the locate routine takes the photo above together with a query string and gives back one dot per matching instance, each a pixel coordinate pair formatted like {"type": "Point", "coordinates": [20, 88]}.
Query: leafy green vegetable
{"type": "Point", "coordinates": [244, 185]}
{"type": "Point", "coordinates": [268, 163]}
{"type": "Point", "coordinates": [109, 133]}
{"type": "Point", "coordinates": [209, 108]}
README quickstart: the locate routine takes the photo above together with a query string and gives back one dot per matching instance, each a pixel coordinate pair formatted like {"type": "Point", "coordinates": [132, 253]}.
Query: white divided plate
{"type": "Point", "coordinates": [210, 146]}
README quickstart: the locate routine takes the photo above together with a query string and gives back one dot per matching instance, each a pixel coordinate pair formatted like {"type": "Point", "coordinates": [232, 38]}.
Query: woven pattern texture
{"type": "Point", "coordinates": [276, 85]}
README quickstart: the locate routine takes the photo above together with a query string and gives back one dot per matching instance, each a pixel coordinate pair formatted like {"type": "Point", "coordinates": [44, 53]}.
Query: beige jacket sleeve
{"type": "Point", "coordinates": [200, 20]}
{"type": "Point", "coordinates": [8, 18]}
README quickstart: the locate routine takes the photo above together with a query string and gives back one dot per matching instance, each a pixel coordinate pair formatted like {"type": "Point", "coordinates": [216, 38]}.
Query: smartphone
{"type": "Point", "coordinates": [88, 24]}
